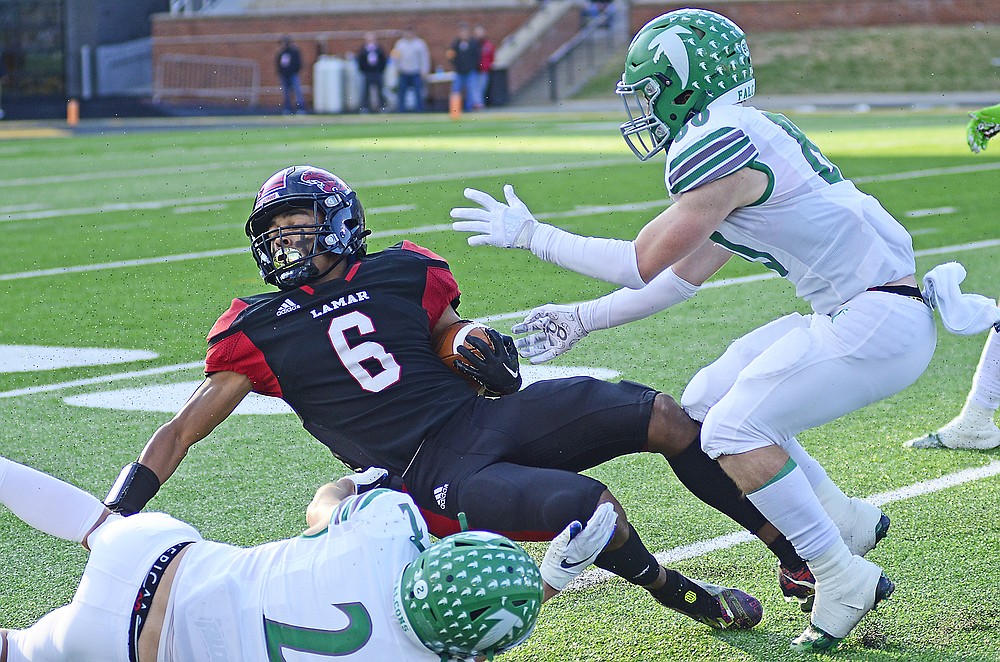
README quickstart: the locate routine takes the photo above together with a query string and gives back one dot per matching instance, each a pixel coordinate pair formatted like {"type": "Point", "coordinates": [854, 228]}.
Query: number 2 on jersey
{"type": "Point", "coordinates": [351, 357]}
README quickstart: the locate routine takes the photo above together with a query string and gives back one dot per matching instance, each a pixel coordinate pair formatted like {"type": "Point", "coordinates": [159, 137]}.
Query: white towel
{"type": "Point", "coordinates": [962, 314]}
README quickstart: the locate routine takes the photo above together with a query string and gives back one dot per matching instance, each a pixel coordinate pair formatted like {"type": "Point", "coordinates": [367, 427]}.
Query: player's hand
{"type": "Point", "coordinates": [498, 371]}
{"type": "Point", "coordinates": [576, 548]}
{"type": "Point", "coordinates": [369, 479]}
{"type": "Point", "coordinates": [985, 124]}
{"type": "Point", "coordinates": [554, 329]}
{"type": "Point", "coordinates": [496, 224]}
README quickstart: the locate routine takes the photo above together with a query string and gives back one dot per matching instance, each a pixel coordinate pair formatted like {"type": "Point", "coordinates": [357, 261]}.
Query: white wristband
{"type": "Point", "coordinates": [624, 306]}
{"type": "Point", "coordinates": [611, 260]}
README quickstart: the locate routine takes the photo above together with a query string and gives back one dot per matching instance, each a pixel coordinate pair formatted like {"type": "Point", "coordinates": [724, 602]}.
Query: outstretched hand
{"type": "Point", "coordinates": [985, 124]}
{"type": "Point", "coordinates": [576, 548]}
{"type": "Point", "coordinates": [554, 329]}
{"type": "Point", "coordinates": [495, 223]}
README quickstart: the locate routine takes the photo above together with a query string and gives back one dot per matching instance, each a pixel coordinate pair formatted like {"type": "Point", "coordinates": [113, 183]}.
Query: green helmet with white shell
{"type": "Point", "coordinates": [471, 593]}
{"type": "Point", "coordinates": [676, 65]}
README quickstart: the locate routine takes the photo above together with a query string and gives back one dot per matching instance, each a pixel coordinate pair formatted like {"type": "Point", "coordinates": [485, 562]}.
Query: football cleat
{"type": "Point", "coordinates": [960, 434]}
{"type": "Point", "coordinates": [841, 604]}
{"type": "Point", "coordinates": [736, 610]}
{"type": "Point", "coordinates": [798, 586]}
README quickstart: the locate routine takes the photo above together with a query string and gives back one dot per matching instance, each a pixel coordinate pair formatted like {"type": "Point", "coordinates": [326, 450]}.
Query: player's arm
{"type": "Point", "coordinates": [554, 328]}
{"type": "Point", "coordinates": [672, 235]}
{"type": "Point", "coordinates": [210, 404]}
{"type": "Point", "coordinates": [329, 495]}
{"type": "Point", "coordinates": [685, 227]}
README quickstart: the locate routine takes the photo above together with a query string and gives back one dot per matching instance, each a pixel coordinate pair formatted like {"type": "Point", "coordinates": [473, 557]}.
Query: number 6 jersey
{"type": "Point", "coordinates": [352, 356]}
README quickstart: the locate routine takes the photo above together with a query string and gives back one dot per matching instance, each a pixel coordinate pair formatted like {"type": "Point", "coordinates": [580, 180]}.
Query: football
{"type": "Point", "coordinates": [456, 336]}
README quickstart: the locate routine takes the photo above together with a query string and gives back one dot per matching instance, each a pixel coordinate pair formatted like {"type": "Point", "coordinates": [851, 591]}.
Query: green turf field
{"type": "Point", "coordinates": [133, 240]}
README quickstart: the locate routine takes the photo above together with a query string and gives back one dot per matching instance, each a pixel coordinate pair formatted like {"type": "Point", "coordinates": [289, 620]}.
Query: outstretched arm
{"type": "Point", "coordinates": [554, 328]}
{"type": "Point", "coordinates": [211, 403]}
{"type": "Point", "coordinates": [667, 239]}
{"type": "Point", "coordinates": [49, 504]}
{"type": "Point", "coordinates": [329, 495]}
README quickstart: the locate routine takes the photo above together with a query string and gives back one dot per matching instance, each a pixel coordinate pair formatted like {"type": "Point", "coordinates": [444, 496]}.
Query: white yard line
{"type": "Point", "coordinates": [702, 547]}
{"type": "Point", "coordinates": [103, 379]}
{"type": "Point", "coordinates": [244, 197]}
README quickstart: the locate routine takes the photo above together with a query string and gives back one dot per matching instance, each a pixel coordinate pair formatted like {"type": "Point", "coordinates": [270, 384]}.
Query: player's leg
{"type": "Point", "coordinates": [810, 376]}
{"type": "Point", "coordinates": [523, 502]}
{"type": "Point", "coordinates": [973, 428]}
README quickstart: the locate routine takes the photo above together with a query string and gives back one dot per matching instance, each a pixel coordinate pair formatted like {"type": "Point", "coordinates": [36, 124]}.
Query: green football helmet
{"type": "Point", "coordinates": [472, 593]}
{"type": "Point", "coordinates": [676, 65]}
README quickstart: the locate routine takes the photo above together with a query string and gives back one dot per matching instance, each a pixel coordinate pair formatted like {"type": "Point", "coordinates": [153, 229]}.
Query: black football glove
{"type": "Point", "coordinates": [498, 370]}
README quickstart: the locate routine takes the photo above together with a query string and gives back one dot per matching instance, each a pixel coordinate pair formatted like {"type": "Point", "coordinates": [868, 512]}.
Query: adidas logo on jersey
{"type": "Point", "coordinates": [286, 307]}
{"type": "Point", "coordinates": [441, 495]}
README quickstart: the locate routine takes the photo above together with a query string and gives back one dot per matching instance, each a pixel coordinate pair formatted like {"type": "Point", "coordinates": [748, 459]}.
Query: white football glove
{"type": "Point", "coordinates": [576, 548]}
{"type": "Point", "coordinates": [369, 479]}
{"type": "Point", "coordinates": [556, 329]}
{"type": "Point", "coordinates": [496, 224]}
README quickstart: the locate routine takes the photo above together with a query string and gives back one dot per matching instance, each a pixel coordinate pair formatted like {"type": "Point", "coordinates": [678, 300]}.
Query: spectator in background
{"type": "Point", "coordinates": [371, 62]}
{"type": "Point", "coordinates": [464, 57]}
{"type": "Point", "coordinates": [3, 79]}
{"type": "Point", "coordinates": [289, 62]}
{"type": "Point", "coordinates": [487, 52]}
{"type": "Point", "coordinates": [413, 62]}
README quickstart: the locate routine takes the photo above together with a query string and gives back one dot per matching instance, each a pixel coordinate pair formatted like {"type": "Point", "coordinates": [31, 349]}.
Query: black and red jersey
{"type": "Point", "coordinates": [352, 356]}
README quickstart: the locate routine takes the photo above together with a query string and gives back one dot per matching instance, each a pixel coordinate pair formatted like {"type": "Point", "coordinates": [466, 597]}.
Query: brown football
{"type": "Point", "coordinates": [456, 336]}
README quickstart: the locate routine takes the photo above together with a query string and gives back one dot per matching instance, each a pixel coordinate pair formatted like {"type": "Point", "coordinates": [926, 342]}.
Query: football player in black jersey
{"type": "Point", "coordinates": [347, 342]}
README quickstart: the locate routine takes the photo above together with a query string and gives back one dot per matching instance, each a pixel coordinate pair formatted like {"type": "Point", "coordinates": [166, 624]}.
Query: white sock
{"type": "Point", "coordinates": [832, 562]}
{"type": "Point", "coordinates": [47, 503]}
{"type": "Point", "coordinates": [986, 382]}
{"type": "Point", "coordinates": [836, 504]}
{"type": "Point", "coordinates": [788, 502]}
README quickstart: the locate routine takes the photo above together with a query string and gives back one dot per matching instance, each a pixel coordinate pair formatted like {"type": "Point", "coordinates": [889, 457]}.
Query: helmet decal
{"type": "Point", "coordinates": [325, 181]}
{"type": "Point", "coordinates": [670, 43]}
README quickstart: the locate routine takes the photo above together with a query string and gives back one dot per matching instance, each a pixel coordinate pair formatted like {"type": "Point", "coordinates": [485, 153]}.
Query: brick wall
{"type": "Point", "coordinates": [258, 37]}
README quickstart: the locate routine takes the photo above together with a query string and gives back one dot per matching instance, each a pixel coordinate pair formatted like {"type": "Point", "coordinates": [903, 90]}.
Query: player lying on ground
{"type": "Point", "coordinates": [348, 342]}
{"type": "Point", "coordinates": [362, 582]}
{"type": "Point", "coordinates": [750, 183]}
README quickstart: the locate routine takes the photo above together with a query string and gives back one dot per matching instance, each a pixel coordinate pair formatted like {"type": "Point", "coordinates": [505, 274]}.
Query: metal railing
{"type": "Point", "coordinates": [575, 62]}
{"type": "Point", "coordinates": [200, 76]}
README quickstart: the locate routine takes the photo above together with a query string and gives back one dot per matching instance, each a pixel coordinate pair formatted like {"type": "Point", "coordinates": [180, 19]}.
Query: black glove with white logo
{"type": "Point", "coordinates": [497, 369]}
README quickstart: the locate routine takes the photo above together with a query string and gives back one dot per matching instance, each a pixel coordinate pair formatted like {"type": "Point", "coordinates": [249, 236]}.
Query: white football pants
{"type": "Point", "coordinates": [801, 371]}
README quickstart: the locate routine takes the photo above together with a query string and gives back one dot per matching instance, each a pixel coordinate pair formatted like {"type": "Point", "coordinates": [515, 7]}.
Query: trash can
{"type": "Point", "coordinates": [328, 84]}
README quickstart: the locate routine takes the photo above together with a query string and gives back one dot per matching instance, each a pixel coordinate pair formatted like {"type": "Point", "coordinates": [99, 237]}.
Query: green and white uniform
{"type": "Point", "coordinates": [306, 598]}
{"type": "Point", "coordinates": [834, 243]}
{"type": "Point", "coordinates": [812, 226]}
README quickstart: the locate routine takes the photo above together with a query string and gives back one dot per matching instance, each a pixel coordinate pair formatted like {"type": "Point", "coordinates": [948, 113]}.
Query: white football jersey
{"type": "Point", "coordinates": [306, 598]}
{"type": "Point", "coordinates": [811, 226]}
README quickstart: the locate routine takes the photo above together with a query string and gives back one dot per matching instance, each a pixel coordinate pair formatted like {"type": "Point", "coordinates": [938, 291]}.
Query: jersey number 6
{"type": "Point", "coordinates": [352, 357]}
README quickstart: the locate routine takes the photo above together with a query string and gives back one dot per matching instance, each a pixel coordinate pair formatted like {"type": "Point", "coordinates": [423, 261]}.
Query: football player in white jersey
{"type": "Point", "coordinates": [974, 428]}
{"type": "Point", "coordinates": [749, 183]}
{"type": "Point", "coordinates": [363, 582]}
